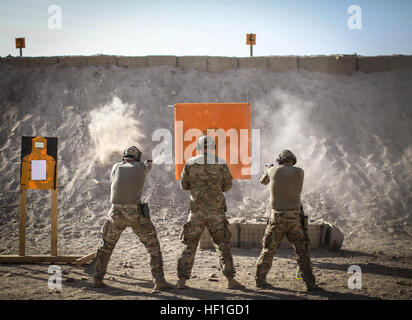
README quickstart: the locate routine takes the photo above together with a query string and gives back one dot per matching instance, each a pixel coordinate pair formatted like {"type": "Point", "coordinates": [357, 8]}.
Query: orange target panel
{"type": "Point", "coordinates": [38, 163]}
{"type": "Point", "coordinates": [228, 123]}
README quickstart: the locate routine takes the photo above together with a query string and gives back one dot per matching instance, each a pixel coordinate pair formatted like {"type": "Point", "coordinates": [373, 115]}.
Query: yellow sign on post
{"type": "Point", "coordinates": [20, 43]}
{"type": "Point", "coordinates": [251, 39]}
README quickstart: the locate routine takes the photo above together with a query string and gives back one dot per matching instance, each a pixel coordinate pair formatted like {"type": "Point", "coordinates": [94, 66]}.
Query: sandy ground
{"type": "Point", "coordinates": [383, 277]}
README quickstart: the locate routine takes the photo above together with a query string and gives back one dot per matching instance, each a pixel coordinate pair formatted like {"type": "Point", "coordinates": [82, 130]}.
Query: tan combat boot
{"type": "Point", "coordinates": [162, 285]}
{"type": "Point", "coordinates": [312, 287]}
{"type": "Point", "coordinates": [232, 283]}
{"type": "Point", "coordinates": [98, 283]}
{"type": "Point", "coordinates": [261, 283]}
{"type": "Point", "coordinates": [181, 283]}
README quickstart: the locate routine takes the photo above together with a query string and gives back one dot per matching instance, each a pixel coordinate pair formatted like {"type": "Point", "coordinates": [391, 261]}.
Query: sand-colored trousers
{"type": "Point", "coordinates": [279, 225]}
{"type": "Point", "coordinates": [119, 219]}
{"type": "Point", "coordinates": [215, 221]}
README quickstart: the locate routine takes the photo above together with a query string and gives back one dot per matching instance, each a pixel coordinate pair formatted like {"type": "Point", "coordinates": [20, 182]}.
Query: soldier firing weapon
{"type": "Point", "coordinates": [304, 218]}
{"type": "Point", "coordinates": [287, 218]}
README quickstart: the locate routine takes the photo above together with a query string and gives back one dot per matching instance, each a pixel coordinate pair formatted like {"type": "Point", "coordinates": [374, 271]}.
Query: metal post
{"type": "Point", "coordinates": [21, 52]}
{"type": "Point", "coordinates": [251, 50]}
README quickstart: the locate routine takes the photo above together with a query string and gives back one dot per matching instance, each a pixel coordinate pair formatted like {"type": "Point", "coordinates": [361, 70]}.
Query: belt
{"type": "Point", "coordinates": [286, 211]}
{"type": "Point", "coordinates": [131, 205]}
{"type": "Point", "coordinates": [295, 214]}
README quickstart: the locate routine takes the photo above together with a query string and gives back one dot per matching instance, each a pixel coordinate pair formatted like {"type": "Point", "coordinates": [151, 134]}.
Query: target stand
{"type": "Point", "coordinates": [39, 171]}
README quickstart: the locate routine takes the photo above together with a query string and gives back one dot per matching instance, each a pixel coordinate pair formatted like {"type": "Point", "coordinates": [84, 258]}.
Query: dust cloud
{"type": "Point", "coordinates": [113, 129]}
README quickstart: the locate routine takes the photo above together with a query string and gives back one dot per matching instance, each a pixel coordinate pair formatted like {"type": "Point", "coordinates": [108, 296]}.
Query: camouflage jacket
{"type": "Point", "coordinates": [206, 180]}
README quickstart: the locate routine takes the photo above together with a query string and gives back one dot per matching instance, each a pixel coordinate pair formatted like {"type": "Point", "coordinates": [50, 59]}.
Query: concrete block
{"type": "Point", "coordinates": [315, 236]}
{"type": "Point", "coordinates": [343, 64]}
{"type": "Point", "coordinates": [374, 64]}
{"type": "Point", "coordinates": [206, 241]}
{"type": "Point", "coordinates": [315, 63]}
{"type": "Point", "coordinates": [315, 233]}
{"type": "Point", "coordinates": [334, 237]}
{"type": "Point", "coordinates": [132, 62]}
{"type": "Point", "coordinates": [254, 62]}
{"type": "Point", "coordinates": [41, 61]}
{"type": "Point", "coordinates": [195, 62]}
{"type": "Point", "coordinates": [218, 64]}
{"type": "Point", "coordinates": [280, 64]}
{"type": "Point", "coordinates": [249, 236]}
{"type": "Point", "coordinates": [331, 236]}
{"type": "Point", "coordinates": [101, 60]}
{"type": "Point", "coordinates": [154, 61]}
{"type": "Point", "coordinates": [73, 61]}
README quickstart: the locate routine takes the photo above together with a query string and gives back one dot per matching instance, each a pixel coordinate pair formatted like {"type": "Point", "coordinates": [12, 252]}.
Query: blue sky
{"type": "Point", "coordinates": [206, 27]}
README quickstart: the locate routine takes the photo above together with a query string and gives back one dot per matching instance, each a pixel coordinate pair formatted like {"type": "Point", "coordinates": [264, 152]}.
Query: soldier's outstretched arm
{"type": "Point", "coordinates": [264, 179]}
{"type": "Point", "coordinates": [226, 179]}
{"type": "Point", "coordinates": [184, 178]}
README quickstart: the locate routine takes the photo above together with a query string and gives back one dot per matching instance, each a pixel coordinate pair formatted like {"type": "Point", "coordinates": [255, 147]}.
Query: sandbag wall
{"type": "Point", "coordinates": [334, 64]}
{"type": "Point", "coordinates": [322, 234]}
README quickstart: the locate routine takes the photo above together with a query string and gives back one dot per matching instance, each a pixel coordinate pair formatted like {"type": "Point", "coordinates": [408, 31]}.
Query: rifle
{"type": "Point", "coordinates": [305, 224]}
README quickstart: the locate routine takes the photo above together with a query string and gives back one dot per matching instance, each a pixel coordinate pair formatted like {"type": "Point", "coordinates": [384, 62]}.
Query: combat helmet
{"type": "Point", "coordinates": [132, 153]}
{"type": "Point", "coordinates": [285, 156]}
{"type": "Point", "coordinates": [205, 141]}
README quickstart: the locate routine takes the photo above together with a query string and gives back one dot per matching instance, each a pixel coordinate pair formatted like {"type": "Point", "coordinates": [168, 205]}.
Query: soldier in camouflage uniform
{"type": "Point", "coordinates": [286, 182]}
{"type": "Point", "coordinates": [207, 177]}
{"type": "Point", "coordinates": [127, 180]}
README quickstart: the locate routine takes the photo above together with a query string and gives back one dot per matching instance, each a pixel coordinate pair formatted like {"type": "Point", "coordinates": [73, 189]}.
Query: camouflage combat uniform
{"type": "Point", "coordinates": [127, 181]}
{"type": "Point", "coordinates": [207, 182]}
{"type": "Point", "coordinates": [118, 219]}
{"type": "Point", "coordinates": [280, 224]}
{"type": "Point", "coordinates": [284, 222]}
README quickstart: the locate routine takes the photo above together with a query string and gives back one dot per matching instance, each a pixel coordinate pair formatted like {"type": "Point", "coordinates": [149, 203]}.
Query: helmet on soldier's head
{"type": "Point", "coordinates": [132, 153]}
{"type": "Point", "coordinates": [285, 156]}
{"type": "Point", "coordinates": [205, 142]}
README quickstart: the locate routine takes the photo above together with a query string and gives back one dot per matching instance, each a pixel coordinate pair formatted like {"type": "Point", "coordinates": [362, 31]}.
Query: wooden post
{"type": "Point", "coordinates": [54, 225]}
{"type": "Point", "coordinates": [38, 259]}
{"type": "Point", "coordinates": [22, 229]}
{"type": "Point", "coordinates": [85, 259]}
